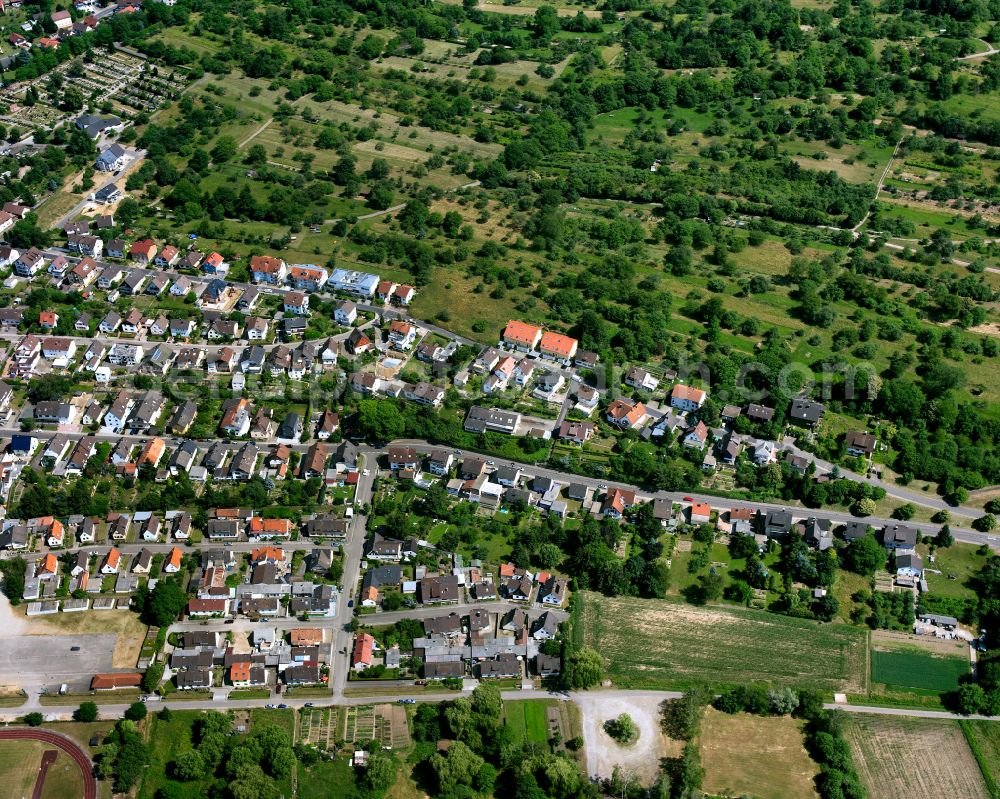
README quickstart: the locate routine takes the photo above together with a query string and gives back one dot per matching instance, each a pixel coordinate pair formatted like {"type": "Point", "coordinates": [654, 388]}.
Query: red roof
{"type": "Point", "coordinates": [266, 264]}
{"type": "Point", "coordinates": [522, 333]}
{"type": "Point", "coordinates": [558, 344]}
{"type": "Point", "coordinates": [105, 682]}
{"type": "Point", "coordinates": [688, 393]}
{"type": "Point", "coordinates": [363, 646]}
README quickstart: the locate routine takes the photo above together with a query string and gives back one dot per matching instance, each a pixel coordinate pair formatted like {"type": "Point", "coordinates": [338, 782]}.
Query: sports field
{"type": "Point", "coordinates": [915, 669]}
{"type": "Point", "coordinates": [19, 764]}
{"type": "Point", "coordinates": [662, 644]}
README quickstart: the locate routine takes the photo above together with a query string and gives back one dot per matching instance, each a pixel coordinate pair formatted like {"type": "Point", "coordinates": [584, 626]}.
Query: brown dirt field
{"type": "Point", "coordinates": [987, 329]}
{"type": "Point", "coordinates": [755, 755]}
{"type": "Point", "coordinates": [896, 756]}
{"type": "Point", "coordinates": [890, 640]}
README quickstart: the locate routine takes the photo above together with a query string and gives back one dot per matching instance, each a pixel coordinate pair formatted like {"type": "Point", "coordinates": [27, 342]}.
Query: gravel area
{"type": "Point", "coordinates": [641, 759]}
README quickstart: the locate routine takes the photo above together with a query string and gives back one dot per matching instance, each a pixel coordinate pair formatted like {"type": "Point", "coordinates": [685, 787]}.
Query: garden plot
{"type": "Point", "coordinates": [664, 644]}
{"type": "Point", "coordinates": [383, 723]}
{"type": "Point", "coordinates": [896, 756]}
{"type": "Point", "coordinates": [320, 727]}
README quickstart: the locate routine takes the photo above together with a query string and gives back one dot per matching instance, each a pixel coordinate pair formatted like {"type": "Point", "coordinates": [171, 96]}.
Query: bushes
{"type": "Point", "coordinates": [759, 700]}
{"type": "Point", "coordinates": [621, 729]}
{"type": "Point", "coordinates": [825, 742]}
{"type": "Point", "coordinates": [824, 739]}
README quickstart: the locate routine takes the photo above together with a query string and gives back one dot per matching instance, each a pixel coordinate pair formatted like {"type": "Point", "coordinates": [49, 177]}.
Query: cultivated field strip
{"type": "Point", "coordinates": [898, 757]}
{"type": "Point", "coordinates": [662, 644]}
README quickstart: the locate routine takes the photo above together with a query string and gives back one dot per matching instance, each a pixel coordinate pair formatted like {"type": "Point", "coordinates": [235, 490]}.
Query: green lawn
{"type": "Point", "coordinates": [528, 718]}
{"type": "Point", "coordinates": [960, 560]}
{"type": "Point", "coordinates": [168, 739]}
{"type": "Point", "coordinates": [915, 669]}
{"type": "Point", "coordinates": [984, 740]}
{"type": "Point", "coordinates": [326, 778]}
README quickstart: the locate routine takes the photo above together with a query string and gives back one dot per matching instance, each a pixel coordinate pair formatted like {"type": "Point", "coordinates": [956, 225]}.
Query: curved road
{"type": "Point", "coordinates": [64, 744]}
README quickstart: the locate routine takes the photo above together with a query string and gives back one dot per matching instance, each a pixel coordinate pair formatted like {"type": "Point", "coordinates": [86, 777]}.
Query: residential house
{"type": "Point", "coordinates": [806, 412]}
{"type": "Point", "coordinates": [112, 159]}
{"type": "Point", "coordinates": [553, 591]}
{"type": "Point", "coordinates": [486, 361]}
{"type": "Point", "coordinates": [558, 347]}
{"type": "Point", "coordinates": [760, 413]}
{"type": "Point", "coordinates": [425, 394]}
{"type": "Point", "coordinates": [910, 565]}
{"type": "Point", "coordinates": [401, 334]}
{"type": "Point", "coordinates": [860, 444]}
{"type": "Point", "coordinates": [307, 277]}
{"type": "Point", "coordinates": [617, 501]}
{"type": "Point", "coordinates": [296, 302]}
{"type": "Point", "coordinates": [345, 313]}
{"type": "Point", "coordinates": [521, 335]}
{"type": "Point", "coordinates": [494, 420]}
{"type": "Point", "coordinates": [143, 251]}
{"type": "Point", "coordinates": [777, 523]}
{"type": "Point", "coordinates": [900, 538]}
{"type": "Point", "coordinates": [624, 414]}
{"type": "Point", "coordinates": [639, 378]}
{"type": "Point", "coordinates": [699, 513]}
{"type": "Point", "coordinates": [697, 437]}
{"type": "Point", "coordinates": [314, 462]}
{"type": "Point", "coordinates": [266, 269]}
{"type": "Point", "coordinates": [29, 263]}
{"type": "Point", "coordinates": [236, 417]}
{"type": "Point", "coordinates": [765, 453]}
{"type": "Point", "coordinates": [257, 329]}
{"type": "Point", "coordinates": [439, 590]}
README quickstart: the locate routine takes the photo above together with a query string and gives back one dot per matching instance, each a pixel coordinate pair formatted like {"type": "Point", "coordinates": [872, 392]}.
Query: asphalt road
{"type": "Point", "coordinates": [718, 503]}
{"type": "Point", "coordinates": [112, 711]}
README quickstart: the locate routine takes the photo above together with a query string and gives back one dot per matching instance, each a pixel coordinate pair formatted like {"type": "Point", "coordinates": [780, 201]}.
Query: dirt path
{"type": "Point", "coordinates": [256, 133]}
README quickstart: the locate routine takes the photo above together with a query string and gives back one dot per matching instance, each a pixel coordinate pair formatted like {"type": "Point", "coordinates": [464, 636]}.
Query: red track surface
{"type": "Point", "coordinates": [63, 743]}
{"type": "Point", "coordinates": [48, 758]}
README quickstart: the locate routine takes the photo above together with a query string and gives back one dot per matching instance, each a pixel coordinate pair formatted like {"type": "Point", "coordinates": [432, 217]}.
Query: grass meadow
{"type": "Point", "coordinates": [665, 644]}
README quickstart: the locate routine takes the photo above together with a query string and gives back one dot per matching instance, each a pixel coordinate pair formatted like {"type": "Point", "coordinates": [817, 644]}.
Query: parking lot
{"type": "Point", "coordinates": [50, 659]}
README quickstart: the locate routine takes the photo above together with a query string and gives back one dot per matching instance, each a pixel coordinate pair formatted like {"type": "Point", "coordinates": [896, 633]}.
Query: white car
{"type": "Point", "coordinates": [366, 473]}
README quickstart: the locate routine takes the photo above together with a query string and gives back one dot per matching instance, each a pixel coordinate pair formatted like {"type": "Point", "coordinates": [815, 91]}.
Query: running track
{"type": "Point", "coordinates": [63, 743]}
